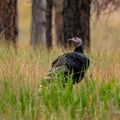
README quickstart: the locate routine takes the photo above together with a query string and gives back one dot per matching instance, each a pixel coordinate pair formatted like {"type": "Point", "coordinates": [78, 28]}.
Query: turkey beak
{"type": "Point", "coordinates": [70, 40]}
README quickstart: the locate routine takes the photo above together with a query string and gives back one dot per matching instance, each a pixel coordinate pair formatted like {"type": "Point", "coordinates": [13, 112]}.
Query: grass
{"type": "Point", "coordinates": [97, 97]}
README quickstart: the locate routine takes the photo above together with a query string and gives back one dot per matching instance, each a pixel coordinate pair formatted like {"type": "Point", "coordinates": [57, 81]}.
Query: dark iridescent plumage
{"type": "Point", "coordinates": [75, 62]}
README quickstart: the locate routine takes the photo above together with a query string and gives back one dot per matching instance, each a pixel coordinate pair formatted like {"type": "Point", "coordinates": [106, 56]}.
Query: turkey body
{"type": "Point", "coordinates": [75, 63]}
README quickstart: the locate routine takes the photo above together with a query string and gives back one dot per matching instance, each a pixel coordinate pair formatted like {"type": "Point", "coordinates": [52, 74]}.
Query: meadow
{"type": "Point", "coordinates": [97, 97]}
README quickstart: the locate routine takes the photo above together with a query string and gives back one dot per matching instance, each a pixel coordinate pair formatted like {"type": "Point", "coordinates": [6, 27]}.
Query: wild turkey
{"type": "Point", "coordinates": [75, 62]}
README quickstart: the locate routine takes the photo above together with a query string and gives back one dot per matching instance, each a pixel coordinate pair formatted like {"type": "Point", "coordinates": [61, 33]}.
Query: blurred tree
{"type": "Point", "coordinates": [38, 32]}
{"type": "Point", "coordinates": [77, 20]}
{"type": "Point", "coordinates": [2, 2]}
{"type": "Point", "coordinates": [72, 18]}
{"type": "Point", "coordinates": [59, 21]}
{"type": "Point", "coordinates": [104, 6]}
{"type": "Point", "coordinates": [49, 23]}
{"type": "Point", "coordinates": [76, 17]}
{"type": "Point", "coordinates": [8, 20]}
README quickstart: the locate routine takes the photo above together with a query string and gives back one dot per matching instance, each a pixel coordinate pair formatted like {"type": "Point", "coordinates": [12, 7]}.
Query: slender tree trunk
{"type": "Point", "coordinates": [2, 4]}
{"type": "Point", "coordinates": [8, 20]}
{"type": "Point", "coordinates": [59, 21]}
{"type": "Point", "coordinates": [38, 32]}
{"type": "Point", "coordinates": [77, 20]}
{"type": "Point", "coordinates": [49, 24]}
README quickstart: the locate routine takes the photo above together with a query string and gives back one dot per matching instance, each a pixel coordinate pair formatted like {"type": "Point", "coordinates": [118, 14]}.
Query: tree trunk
{"type": "Point", "coordinates": [8, 20]}
{"type": "Point", "coordinates": [38, 32]}
{"type": "Point", "coordinates": [49, 24]}
{"type": "Point", "coordinates": [59, 21]}
{"type": "Point", "coordinates": [77, 21]}
{"type": "Point", "coordinates": [2, 4]}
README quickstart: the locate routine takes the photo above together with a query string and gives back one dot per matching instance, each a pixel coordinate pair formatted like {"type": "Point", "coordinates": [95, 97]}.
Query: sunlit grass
{"type": "Point", "coordinates": [97, 97]}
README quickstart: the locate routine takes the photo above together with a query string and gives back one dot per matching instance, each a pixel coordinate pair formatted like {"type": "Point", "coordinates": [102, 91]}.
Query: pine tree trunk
{"type": "Point", "coordinates": [59, 21]}
{"type": "Point", "coordinates": [49, 24]}
{"type": "Point", "coordinates": [38, 32]}
{"type": "Point", "coordinates": [8, 20]}
{"type": "Point", "coordinates": [77, 20]}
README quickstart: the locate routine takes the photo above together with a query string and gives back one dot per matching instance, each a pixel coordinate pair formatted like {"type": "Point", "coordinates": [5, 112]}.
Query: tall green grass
{"type": "Point", "coordinates": [90, 100]}
{"type": "Point", "coordinates": [97, 97]}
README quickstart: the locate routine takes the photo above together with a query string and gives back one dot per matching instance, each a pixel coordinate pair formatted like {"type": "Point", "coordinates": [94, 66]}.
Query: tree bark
{"type": "Point", "coordinates": [38, 32]}
{"type": "Point", "coordinates": [59, 21]}
{"type": "Point", "coordinates": [49, 24]}
{"type": "Point", "coordinates": [8, 20]}
{"type": "Point", "coordinates": [2, 4]}
{"type": "Point", "coordinates": [77, 21]}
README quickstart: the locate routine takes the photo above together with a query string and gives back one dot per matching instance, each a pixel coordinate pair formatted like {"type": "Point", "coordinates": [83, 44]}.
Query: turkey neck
{"type": "Point", "coordinates": [79, 49]}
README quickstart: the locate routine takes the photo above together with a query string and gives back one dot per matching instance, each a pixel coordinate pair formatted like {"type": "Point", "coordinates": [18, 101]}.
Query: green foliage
{"type": "Point", "coordinates": [58, 101]}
